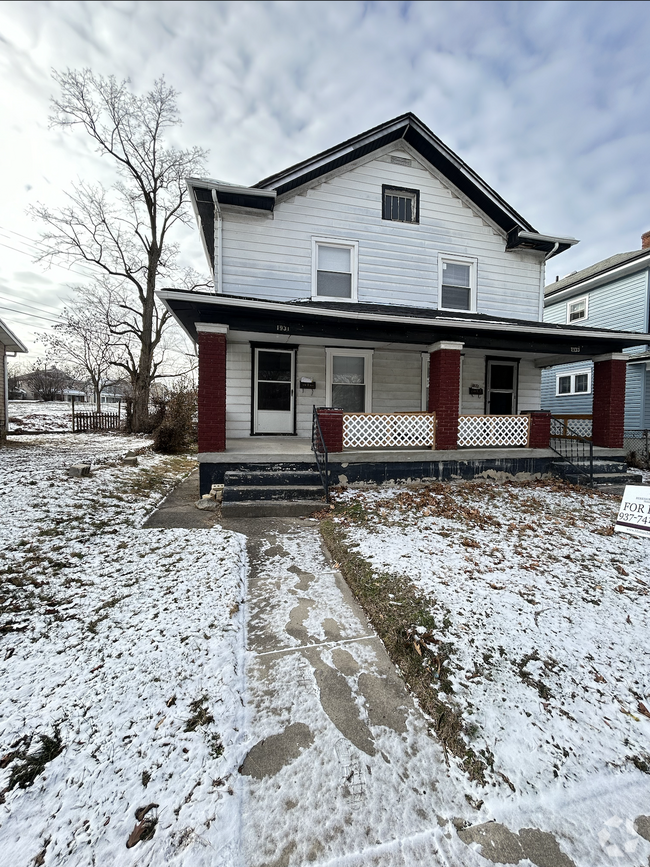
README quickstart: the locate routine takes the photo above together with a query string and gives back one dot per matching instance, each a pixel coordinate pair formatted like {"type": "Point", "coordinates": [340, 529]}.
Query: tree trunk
{"type": "Point", "coordinates": [142, 384]}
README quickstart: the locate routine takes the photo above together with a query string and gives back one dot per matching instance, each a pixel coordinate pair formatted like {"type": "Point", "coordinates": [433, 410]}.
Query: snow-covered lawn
{"type": "Point", "coordinates": [43, 416]}
{"type": "Point", "coordinates": [121, 647]}
{"type": "Point", "coordinates": [542, 617]}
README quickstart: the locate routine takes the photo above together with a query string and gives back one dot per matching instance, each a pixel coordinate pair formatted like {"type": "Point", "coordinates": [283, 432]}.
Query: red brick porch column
{"type": "Point", "coordinates": [212, 387]}
{"type": "Point", "coordinates": [331, 424]}
{"type": "Point", "coordinates": [609, 400]}
{"type": "Point", "coordinates": [539, 435]}
{"type": "Point", "coordinates": [444, 389]}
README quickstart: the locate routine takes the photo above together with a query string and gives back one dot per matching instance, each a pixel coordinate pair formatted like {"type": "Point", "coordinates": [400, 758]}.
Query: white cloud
{"type": "Point", "coordinates": [546, 100]}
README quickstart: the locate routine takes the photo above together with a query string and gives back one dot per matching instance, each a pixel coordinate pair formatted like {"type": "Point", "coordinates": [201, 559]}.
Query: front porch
{"type": "Point", "coordinates": [286, 455]}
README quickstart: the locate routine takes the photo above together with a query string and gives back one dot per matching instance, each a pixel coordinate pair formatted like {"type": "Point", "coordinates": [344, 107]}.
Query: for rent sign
{"type": "Point", "coordinates": [634, 512]}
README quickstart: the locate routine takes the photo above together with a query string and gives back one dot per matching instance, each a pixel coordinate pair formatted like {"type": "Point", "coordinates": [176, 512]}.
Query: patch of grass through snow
{"type": "Point", "coordinates": [396, 616]}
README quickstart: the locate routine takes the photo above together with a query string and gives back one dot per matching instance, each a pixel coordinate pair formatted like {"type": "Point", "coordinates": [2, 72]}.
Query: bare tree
{"type": "Point", "coordinates": [124, 232]}
{"type": "Point", "coordinates": [47, 383]}
{"type": "Point", "coordinates": [83, 341]}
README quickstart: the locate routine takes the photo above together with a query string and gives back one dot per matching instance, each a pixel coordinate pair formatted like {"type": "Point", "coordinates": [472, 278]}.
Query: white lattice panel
{"type": "Point", "coordinates": [384, 429]}
{"type": "Point", "coordinates": [492, 430]}
{"type": "Point", "coordinates": [566, 426]}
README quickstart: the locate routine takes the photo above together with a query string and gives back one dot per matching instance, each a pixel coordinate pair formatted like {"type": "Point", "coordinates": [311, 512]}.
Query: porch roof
{"type": "Point", "coordinates": [330, 320]}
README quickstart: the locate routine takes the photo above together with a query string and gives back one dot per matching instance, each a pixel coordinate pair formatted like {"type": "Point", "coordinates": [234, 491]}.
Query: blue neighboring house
{"type": "Point", "coordinates": [613, 294]}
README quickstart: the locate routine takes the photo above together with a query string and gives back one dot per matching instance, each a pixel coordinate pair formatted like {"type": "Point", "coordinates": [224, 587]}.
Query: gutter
{"type": "Point", "coordinates": [587, 283]}
{"type": "Point", "coordinates": [279, 307]}
{"type": "Point", "coordinates": [219, 243]}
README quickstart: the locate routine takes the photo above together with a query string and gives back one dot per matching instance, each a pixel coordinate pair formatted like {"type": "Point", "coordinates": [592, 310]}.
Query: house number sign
{"type": "Point", "coordinates": [284, 328]}
{"type": "Point", "coordinates": [634, 511]}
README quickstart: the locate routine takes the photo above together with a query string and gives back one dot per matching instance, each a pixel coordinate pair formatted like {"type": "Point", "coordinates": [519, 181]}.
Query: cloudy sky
{"type": "Point", "coordinates": [548, 101]}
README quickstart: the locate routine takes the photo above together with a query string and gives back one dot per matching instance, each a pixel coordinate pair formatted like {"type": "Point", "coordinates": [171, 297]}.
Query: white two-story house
{"type": "Point", "coordinates": [385, 280]}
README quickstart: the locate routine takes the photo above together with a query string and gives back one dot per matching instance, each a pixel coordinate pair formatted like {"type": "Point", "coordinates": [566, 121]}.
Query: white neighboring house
{"type": "Point", "coordinates": [384, 279]}
{"type": "Point", "coordinates": [613, 293]}
{"type": "Point", "coordinates": [9, 345]}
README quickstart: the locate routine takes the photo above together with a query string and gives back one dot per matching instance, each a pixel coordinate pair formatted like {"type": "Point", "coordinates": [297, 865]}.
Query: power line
{"type": "Point", "coordinates": [25, 304]}
{"type": "Point", "coordinates": [55, 264]}
{"type": "Point", "coordinates": [33, 315]}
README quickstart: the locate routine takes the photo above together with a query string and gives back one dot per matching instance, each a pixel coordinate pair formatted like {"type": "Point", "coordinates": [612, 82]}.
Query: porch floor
{"type": "Point", "coordinates": [298, 449]}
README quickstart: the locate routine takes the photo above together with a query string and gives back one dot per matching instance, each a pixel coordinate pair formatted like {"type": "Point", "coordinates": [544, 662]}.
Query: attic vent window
{"type": "Point", "coordinates": [405, 161]}
{"type": "Point", "coordinates": [400, 205]}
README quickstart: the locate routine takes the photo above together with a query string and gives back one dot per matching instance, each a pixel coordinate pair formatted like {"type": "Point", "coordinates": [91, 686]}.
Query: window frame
{"type": "Point", "coordinates": [390, 188]}
{"type": "Point", "coordinates": [473, 270]}
{"type": "Point", "coordinates": [572, 374]}
{"type": "Point", "coordinates": [366, 354]}
{"type": "Point", "coordinates": [353, 247]}
{"type": "Point", "coordinates": [571, 301]}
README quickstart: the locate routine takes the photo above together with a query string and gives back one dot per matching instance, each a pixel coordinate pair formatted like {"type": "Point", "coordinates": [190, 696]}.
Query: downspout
{"type": "Point", "coordinates": [219, 244]}
{"type": "Point", "coordinates": [543, 280]}
{"type": "Point", "coordinates": [4, 428]}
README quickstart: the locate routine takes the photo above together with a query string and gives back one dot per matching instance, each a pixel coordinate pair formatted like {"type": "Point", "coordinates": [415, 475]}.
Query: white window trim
{"type": "Point", "coordinates": [573, 374]}
{"type": "Point", "coordinates": [571, 301]}
{"type": "Point", "coordinates": [353, 246]}
{"type": "Point", "coordinates": [460, 260]}
{"type": "Point", "coordinates": [366, 354]}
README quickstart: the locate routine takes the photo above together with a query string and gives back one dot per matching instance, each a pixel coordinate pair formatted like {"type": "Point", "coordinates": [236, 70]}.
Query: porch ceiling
{"type": "Point", "coordinates": [376, 323]}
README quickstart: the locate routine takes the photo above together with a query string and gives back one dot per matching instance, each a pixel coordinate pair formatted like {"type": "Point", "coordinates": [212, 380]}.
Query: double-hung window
{"type": "Point", "coordinates": [577, 309]}
{"type": "Point", "coordinates": [349, 379]}
{"type": "Point", "coordinates": [334, 269]}
{"type": "Point", "coordinates": [457, 283]}
{"type": "Point", "coordinates": [575, 382]}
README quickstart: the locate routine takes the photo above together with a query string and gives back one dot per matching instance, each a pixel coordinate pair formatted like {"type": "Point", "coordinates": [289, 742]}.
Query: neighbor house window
{"type": "Point", "coordinates": [457, 283]}
{"type": "Point", "coordinates": [402, 206]}
{"type": "Point", "coordinates": [349, 379]}
{"type": "Point", "coordinates": [577, 310]}
{"type": "Point", "coordinates": [334, 269]}
{"type": "Point", "coordinates": [576, 382]}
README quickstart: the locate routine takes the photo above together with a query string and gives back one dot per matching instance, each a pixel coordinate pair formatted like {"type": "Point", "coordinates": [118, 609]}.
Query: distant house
{"type": "Point", "coordinates": [613, 293]}
{"type": "Point", "coordinates": [9, 345]}
{"type": "Point", "coordinates": [384, 288]}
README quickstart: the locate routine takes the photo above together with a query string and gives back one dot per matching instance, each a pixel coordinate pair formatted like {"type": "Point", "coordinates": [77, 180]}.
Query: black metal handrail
{"type": "Point", "coordinates": [319, 449]}
{"type": "Point", "coordinates": [576, 450]}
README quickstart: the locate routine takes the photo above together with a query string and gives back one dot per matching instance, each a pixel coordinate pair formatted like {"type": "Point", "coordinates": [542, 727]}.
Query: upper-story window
{"type": "Point", "coordinates": [577, 309]}
{"type": "Point", "coordinates": [334, 269]}
{"type": "Point", "coordinates": [457, 283]}
{"type": "Point", "coordinates": [400, 205]}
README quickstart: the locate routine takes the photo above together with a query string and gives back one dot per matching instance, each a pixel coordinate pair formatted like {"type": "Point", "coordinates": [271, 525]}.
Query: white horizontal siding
{"type": "Point", "coordinates": [473, 373]}
{"type": "Point", "coordinates": [238, 389]}
{"type": "Point", "coordinates": [396, 381]}
{"type": "Point", "coordinates": [398, 263]}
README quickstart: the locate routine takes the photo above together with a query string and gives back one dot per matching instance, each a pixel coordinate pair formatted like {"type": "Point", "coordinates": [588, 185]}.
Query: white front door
{"type": "Point", "coordinates": [273, 391]}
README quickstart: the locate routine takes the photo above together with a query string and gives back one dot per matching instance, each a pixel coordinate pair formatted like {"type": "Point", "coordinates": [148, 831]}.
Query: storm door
{"type": "Point", "coordinates": [273, 391]}
{"type": "Point", "coordinates": [502, 387]}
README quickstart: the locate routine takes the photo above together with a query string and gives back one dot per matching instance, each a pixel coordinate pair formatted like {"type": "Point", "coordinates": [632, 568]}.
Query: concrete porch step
{"type": "Point", "coordinates": [272, 478]}
{"type": "Point", "coordinates": [271, 508]}
{"type": "Point", "coordinates": [256, 493]}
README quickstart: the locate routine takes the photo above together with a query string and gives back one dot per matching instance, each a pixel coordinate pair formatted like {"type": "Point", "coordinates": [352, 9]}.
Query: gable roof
{"type": "Point", "coordinates": [207, 194]}
{"type": "Point", "coordinates": [610, 269]}
{"type": "Point", "coordinates": [9, 340]}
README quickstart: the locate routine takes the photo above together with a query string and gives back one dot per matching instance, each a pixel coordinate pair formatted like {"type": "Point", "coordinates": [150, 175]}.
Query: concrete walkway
{"type": "Point", "coordinates": [340, 768]}
{"type": "Point", "coordinates": [178, 509]}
